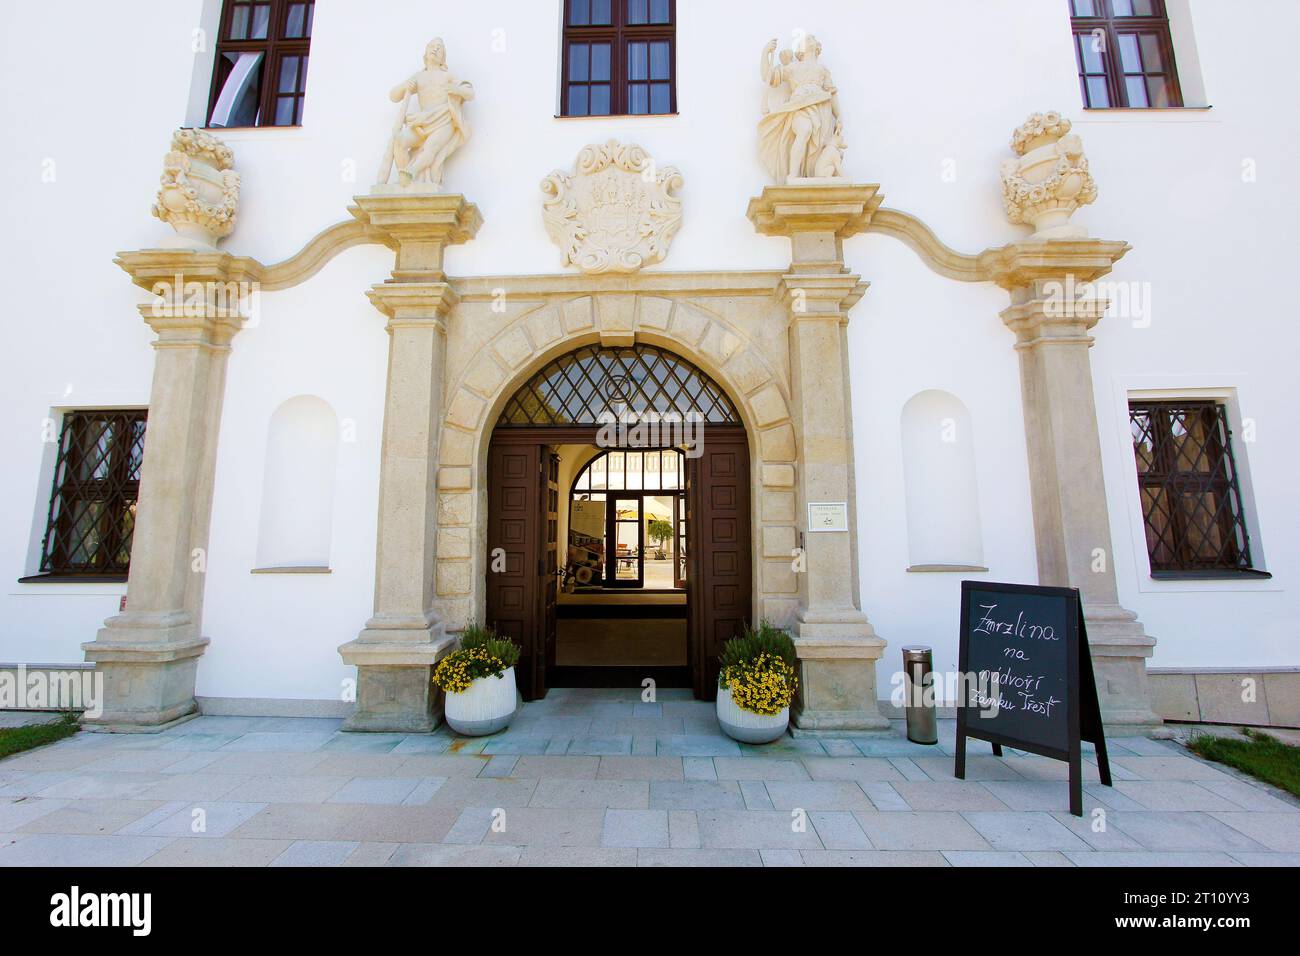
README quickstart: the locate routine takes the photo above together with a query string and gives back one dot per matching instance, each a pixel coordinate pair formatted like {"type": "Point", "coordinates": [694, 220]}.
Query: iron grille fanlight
{"type": "Point", "coordinates": [580, 387]}
{"type": "Point", "coordinates": [1191, 502]}
{"type": "Point", "coordinates": [96, 485]}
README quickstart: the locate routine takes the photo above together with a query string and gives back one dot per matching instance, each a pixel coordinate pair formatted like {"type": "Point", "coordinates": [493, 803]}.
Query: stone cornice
{"type": "Point", "coordinates": [921, 239]}
{"type": "Point", "coordinates": [444, 218]}
{"type": "Point", "coordinates": [152, 269]}
{"type": "Point", "coordinates": [149, 266]}
{"type": "Point", "coordinates": [844, 210]}
{"type": "Point", "coordinates": [717, 283]}
{"type": "Point", "coordinates": [1019, 265]}
{"type": "Point", "coordinates": [323, 247]}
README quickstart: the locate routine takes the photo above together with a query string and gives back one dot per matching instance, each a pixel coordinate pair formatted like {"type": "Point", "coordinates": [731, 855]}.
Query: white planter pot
{"type": "Point", "coordinates": [487, 706]}
{"type": "Point", "coordinates": [747, 727]}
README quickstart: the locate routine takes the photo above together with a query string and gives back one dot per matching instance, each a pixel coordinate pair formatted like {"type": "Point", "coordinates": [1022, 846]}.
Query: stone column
{"type": "Point", "coordinates": [837, 646]}
{"type": "Point", "coordinates": [149, 653]}
{"type": "Point", "coordinates": [401, 642]}
{"type": "Point", "coordinates": [1053, 308]}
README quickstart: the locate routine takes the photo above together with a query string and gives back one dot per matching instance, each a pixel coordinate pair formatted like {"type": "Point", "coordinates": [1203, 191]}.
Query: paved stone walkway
{"type": "Point", "coordinates": [597, 777]}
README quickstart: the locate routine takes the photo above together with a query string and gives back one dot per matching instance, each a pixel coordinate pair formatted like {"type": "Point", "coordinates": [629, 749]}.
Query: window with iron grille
{"type": "Point", "coordinates": [1191, 501]}
{"type": "Point", "coordinates": [619, 57]}
{"type": "Point", "coordinates": [96, 485]}
{"type": "Point", "coordinates": [260, 76]}
{"type": "Point", "coordinates": [1125, 54]}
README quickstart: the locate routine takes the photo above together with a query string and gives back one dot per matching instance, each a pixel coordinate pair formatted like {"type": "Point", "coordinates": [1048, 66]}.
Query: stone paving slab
{"type": "Point", "coordinates": [872, 858]}
{"type": "Point", "coordinates": [316, 853]}
{"type": "Point", "coordinates": [89, 817]}
{"type": "Point", "coordinates": [604, 778]}
{"type": "Point", "coordinates": [918, 830]}
{"type": "Point", "coordinates": [559, 793]}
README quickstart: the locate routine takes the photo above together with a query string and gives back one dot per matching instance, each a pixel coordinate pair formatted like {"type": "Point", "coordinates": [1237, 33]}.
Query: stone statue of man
{"type": "Point", "coordinates": [423, 138]}
{"type": "Point", "coordinates": [800, 135]}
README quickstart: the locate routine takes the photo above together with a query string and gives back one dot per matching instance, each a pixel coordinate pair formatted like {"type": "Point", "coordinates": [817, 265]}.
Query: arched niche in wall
{"type": "Point", "coordinates": [943, 521]}
{"type": "Point", "coordinates": [302, 445]}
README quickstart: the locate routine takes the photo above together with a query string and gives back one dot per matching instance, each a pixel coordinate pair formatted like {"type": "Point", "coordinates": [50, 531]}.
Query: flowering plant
{"type": "Point", "coordinates": [481, 654]}
{"type": "Point", "coordinates": [758, 667]}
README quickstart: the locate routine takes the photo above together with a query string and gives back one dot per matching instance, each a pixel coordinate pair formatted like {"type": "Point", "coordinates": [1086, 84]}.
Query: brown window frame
{"type": "Point", "coordinates": [618, 33]}
{"type": "Point", "coordinates": [88, 471]}
{"type": "Point", "coordinates": [1165, 482]}
{"type": "Point", "coordinates": [274, 49]}
{"type": "Point", "coordinates": [1111, 27]}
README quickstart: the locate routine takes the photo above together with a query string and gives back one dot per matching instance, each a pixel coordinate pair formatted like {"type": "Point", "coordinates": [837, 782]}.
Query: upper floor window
{"type": "Point", "coordinates": [619, 57]}
{"type": "Point", "coordinates": [1125, 54]}
{"type": "Point", "coordinates": [1187, 476]}
{"type": "Point", "coordinates": [260, 77]}
{"type": "Point", "coordinates": [96, 484]}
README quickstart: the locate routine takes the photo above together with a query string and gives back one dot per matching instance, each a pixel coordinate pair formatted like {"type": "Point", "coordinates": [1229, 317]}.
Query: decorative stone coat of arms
{"type": "Point", "coordinates": [615, 211]}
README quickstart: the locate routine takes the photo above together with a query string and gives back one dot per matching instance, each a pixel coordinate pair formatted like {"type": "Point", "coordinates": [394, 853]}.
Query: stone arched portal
{"type": "Point", "coordinates": [724, 338]}
{"type": "Point", "coordinates": [661, 400]}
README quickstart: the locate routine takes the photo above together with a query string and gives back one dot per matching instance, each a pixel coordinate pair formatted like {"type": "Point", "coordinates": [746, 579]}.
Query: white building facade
{"type": "Point", "coordinates": [1095, 400]}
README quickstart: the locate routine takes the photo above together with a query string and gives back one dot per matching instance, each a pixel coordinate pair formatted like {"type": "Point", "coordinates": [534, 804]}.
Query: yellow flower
{"type": "Point", "coordinates": [765, 685]}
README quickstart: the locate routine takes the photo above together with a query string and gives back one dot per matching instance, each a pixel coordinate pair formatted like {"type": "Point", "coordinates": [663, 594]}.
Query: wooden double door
{"type": "Point", "coordinates": [524, 552]}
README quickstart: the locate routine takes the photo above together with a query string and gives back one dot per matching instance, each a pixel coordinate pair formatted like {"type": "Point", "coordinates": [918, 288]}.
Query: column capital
{"type": "Point", "coordinates": [1056, 313]}
{"type": "Point", "coordinates": [813, 296]}
{"type": "Point", "coordinates": [414, 304]}
{"type": "Point", "coordinates": [1017, 266]}
{"type": "Point", "coordinates": [418, 225]}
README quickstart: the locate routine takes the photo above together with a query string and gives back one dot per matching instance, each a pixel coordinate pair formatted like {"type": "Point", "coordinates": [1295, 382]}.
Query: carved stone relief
{"type": "Point", "coordinates": [615, 212]}
{"type": "Point", "coordinates": [199, 191]}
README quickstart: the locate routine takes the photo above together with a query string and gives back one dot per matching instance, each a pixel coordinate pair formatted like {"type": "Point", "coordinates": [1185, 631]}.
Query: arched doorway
{"type": "Point", "coordinates": [618, 527]}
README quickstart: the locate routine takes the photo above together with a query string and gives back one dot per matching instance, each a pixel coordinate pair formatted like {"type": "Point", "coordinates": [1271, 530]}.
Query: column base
{"type": "Point", "coordinates": [1120, 648]}
{"type": "Point", "coordinates": [99, 726]}
{"type": "Point", "coordinates": [838, 651]}
{"type": "Point", "coordinates": [837, 723]}
{"type": "Point", "coordinates": [149, 666]}
{"type": "Point", "coordinates": [395, 692]}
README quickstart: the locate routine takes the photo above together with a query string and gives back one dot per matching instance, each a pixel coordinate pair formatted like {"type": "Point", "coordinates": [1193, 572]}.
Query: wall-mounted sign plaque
{"type": "Point", "coordinates": [828, 516]}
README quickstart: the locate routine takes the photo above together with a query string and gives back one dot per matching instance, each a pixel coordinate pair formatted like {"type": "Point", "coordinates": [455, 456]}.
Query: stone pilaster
{"type": "Point", "coordinates": [1053, 309]}
{"type": "Point", "coordinates": [149, 653]}
{"type": "Point", "coordinates": [837, 646]}
{"type": "Point", "coordinates": [404, 638]}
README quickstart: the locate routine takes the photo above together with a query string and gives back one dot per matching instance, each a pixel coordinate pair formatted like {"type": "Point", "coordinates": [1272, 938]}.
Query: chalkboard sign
{"type": "Point", "coordinates": [1027, 677]}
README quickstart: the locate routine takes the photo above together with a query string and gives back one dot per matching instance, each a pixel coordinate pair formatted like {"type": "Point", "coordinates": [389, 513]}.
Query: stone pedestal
{"type": "Point", "coordinates": [837, 646]}
{"type": "Point", "coordinates": [149, 653]}
{"type": "Point", "coordinates": [402, 641]}
{"type": "Point", "coordinates": [1052, 312]}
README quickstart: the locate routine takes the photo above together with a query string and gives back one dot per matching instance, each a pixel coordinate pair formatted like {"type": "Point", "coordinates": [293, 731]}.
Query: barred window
{"type": "Point", "coordinates": [96, 485]}
{"type": "Point", "coordinates": [260, 76]}
{"type": "Point", "coordinates": [1191, 501]}
{"type": "Point", "coordinates": [619, 57]}
{"type": "Point", "coordinates": [1125, 54]}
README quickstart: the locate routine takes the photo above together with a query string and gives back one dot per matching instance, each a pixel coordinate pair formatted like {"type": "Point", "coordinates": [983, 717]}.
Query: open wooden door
{"type": "Point", "coordinates": [523, 500]}
{"type": "Point", "coordinates": [719, 564]}
{"type": "Point", "coordinates": [550, 566]}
